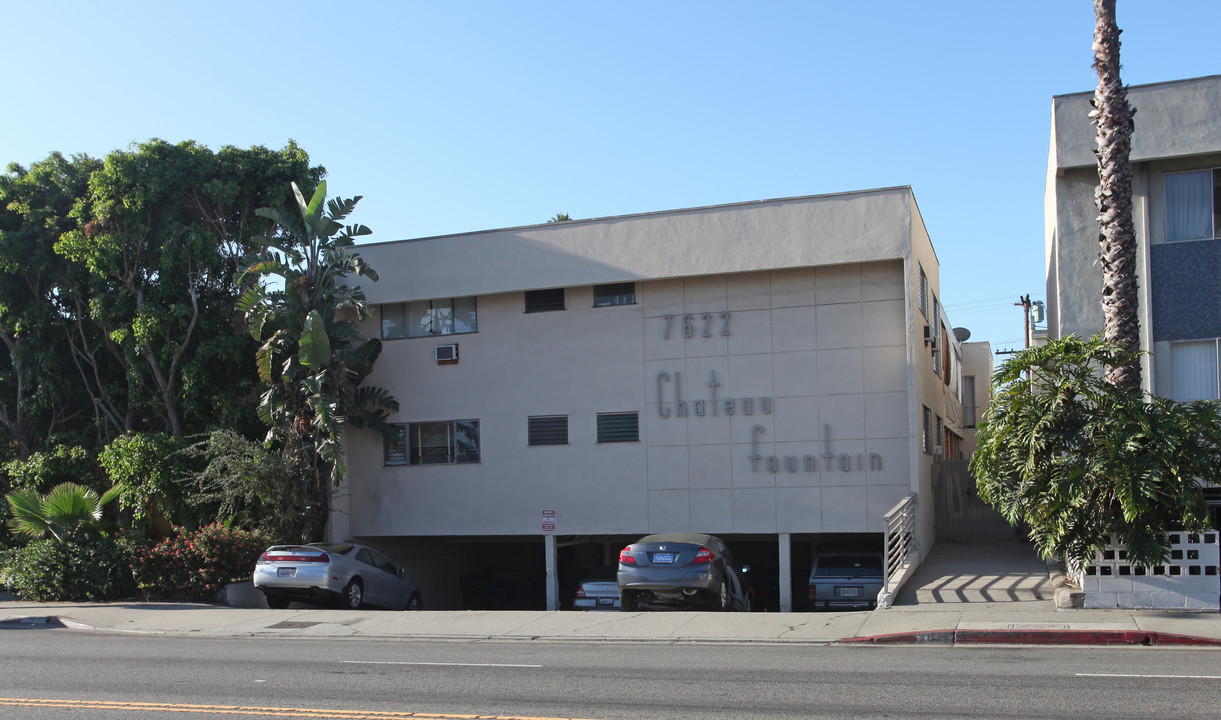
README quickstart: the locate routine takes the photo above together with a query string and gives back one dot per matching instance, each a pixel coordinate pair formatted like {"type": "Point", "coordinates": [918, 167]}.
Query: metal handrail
{"type": "Point", "coordinates": [900, 537]}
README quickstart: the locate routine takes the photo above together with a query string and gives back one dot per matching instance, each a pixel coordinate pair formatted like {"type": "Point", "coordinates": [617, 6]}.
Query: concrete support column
{"type": "Point", "coordinates": [553, 575]}
{"type": "Point", "coordinates": [786, 572]}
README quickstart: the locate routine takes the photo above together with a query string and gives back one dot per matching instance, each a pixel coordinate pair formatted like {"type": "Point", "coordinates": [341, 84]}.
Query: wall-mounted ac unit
{"type": "Point", "coordinates": [937, 449]}
{"type": "Point", "coordinates": [930, 336]}
{"type": "Point", "coordinates": [446, 353]}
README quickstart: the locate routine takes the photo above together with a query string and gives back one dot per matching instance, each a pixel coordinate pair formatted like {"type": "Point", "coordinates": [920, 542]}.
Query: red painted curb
{"type": "Point", "coordinates": [1038, 637]}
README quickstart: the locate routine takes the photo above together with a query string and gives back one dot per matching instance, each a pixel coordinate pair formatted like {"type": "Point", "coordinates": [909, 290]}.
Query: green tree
{"type": "Point", "coordinates": [241, 484]}
{"type": "Point", "coordinates": [62, 463]}
{"type": "Point", "coordinates": [159, 236]}
{"type": "Point", "coordinates": [1113, 116]}
{"type": "Point", "coordinates": [57, 514]}
{"type": "Point", "coordinates": [313, 361]}
{"type": "Point", "coordinates": [1080, 459]}
{"type": "Point", "coordinates": [143, 468]}
{"type": "Point", "coordinates": [39, 395]}
{"type": "Point", "coordinates": [560, 217]}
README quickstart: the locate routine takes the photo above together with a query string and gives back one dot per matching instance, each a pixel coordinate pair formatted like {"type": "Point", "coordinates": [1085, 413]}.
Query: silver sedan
{"type": "Point", "coordinates": [681, 570]}
{"type": "Point", "coordinates": [348, 574]}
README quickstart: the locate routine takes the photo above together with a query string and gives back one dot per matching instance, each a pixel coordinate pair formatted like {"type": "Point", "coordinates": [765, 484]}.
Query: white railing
{"type": "Point", "coordinates": [900, 541]}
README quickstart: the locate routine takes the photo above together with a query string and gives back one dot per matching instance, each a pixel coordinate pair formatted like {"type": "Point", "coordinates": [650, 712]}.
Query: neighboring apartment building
{"type": "Point", "coordinates": [776, 373]}
{"type": "Point", "coordinates": [1176, 193]}
{"type": "Point", "coordinates": [1176, 164]}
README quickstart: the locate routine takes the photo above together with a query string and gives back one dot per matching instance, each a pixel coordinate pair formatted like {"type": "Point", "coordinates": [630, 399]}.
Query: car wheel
{"type": "Point", "coordinates": [353, 595]}
{"type": "Point", "coordinates": [277, 602]}
{"type": "Point", "coordinates": [723, 596]}
{"type": "Point", "coordinates": [414, 602]}
{"type": "Point", "coordinates": [627, 601]}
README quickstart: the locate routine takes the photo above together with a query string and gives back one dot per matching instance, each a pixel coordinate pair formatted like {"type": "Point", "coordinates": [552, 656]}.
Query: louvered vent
{"type": "Point", "coordinates": [618, 427]}
{"type": "Point", "coordinates": [548, 430]}
{"type": "Point", "coordinates": [538, 301]}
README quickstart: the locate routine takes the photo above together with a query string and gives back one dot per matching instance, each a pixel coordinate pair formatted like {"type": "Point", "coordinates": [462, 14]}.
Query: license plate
{"type": "Point", "coordinates": [286, 572]}
{"type": "Point", "coordinates": [663, 558]}
{"type": "Point", "coordinates": [606, 601]}
{"type": "Point", "coordinates": [847, 591]}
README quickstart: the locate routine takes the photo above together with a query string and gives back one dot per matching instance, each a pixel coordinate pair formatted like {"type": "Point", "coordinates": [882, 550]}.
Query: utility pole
{"type": "Point", "coordinates": [1024, 302]}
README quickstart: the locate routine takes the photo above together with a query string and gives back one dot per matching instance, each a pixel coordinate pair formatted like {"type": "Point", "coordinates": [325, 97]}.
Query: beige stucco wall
{"type": "Point", "coordinates": [821, 294]}
{"type": "Point", "coordinates": [825, 347]}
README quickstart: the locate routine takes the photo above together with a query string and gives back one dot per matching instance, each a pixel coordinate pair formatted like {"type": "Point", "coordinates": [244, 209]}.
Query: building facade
{"type": "Point", "coordinates": [1176, 164]}
{"type": "Point", "coordinates": [776, 373]}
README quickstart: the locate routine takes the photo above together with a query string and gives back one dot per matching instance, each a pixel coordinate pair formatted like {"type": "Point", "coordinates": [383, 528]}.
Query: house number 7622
{"type": "Point", "coordinates": [701, 323]}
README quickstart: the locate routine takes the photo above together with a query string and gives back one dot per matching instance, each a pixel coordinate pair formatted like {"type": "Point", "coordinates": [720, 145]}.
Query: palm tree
{"type": "Point", "coordinates": [66, 508]}
{"type": "Point", "coordinates": [313, 361]}
{"type": "Point", "coordinates": [1117, 235]}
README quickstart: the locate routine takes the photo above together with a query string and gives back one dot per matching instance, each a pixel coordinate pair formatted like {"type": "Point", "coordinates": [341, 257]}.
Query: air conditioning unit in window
{"type": "Point", "coordinates": [446, 353]}
{"type": "Point", "coordinates": [930, 336]}
{"type": "Point", "coordinates": [937, 449]}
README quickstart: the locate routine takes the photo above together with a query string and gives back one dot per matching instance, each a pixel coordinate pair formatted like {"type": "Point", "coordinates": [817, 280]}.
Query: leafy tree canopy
{"type": "Point", "coordinates": [1080, 460]}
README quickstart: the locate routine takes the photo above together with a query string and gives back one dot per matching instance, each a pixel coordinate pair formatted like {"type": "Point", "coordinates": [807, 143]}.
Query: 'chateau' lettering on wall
{"type": "Point", "coordinates": [673, 405]}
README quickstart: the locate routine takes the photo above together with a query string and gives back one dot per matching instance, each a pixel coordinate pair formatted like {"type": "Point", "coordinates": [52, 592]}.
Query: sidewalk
{"type": "Point", "coordinates": [974, 623]}
{"type": "Point", "coordinates": [961, 594]}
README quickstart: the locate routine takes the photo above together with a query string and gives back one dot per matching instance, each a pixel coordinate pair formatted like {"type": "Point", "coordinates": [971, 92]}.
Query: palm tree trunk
{"type": "Point", "coordinates": [1117, 235]}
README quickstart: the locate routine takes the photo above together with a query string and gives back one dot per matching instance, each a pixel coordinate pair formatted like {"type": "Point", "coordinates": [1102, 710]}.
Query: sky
{"type": "Point", "coordinates": [457, 116]}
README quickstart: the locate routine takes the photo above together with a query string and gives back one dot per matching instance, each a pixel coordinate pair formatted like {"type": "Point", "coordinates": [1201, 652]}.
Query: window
{"type": "Point", "coordinates": [615, 294]}
{"type": "Point", "coordinates": [936, 323]}
{"type": "Point", "coordinates": [544, 300]}
{"type": "Point", "coordinates": [618, 427]}
{"type": "Point", "coordinates": [927, 430]}
{"type": "Point", "coordinates": [1193, 205]}
{"type": "Point", "coordinates": [968, 401]}
{"type": "Point", "coordinates": [937, 449]}
{"type": "Point", "coordinates": [429, 318]}
{"type": "Point", "coordinates": [1193, 368]}
{"type": "Point", "coordinates": [923, 290]}
{"type": "Point", "coordinates": [547, 430]}
{"type": "Point", "coordinates": [433, 443]}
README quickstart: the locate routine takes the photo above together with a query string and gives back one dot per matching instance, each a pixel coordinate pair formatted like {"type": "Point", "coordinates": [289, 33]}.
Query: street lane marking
{"type": "Point", "coordinates": [1157, 677]}
{"type": "Point", "coordinates": [253, 710]}
{"type": "Point", "coordinates": [442, 664]}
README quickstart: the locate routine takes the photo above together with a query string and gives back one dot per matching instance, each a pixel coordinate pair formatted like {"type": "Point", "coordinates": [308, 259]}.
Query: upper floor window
{"type": "Point", "coordinates": [429, 318]}
{"type": "Point", "coordinates": [1193, 205]}
{"type": "Point", "coordinates": [1193, 370]}
{"type": "Point", "coordinates": [923, 290]}
{"type": "Point", "coordinates": [544, 300]}
{"type": "Point", "coordinates": [615, 294]}
{"type": "Point", "coordinates": [968, 401]}
{"type": "Point", "coordinates": [926, 429]}
{"type": "Point", "coordinates": [547, 430]}
{"type": "Point", "coordinates": [433, 443]}
{"type": "Point", "coordinates": [618, 427]}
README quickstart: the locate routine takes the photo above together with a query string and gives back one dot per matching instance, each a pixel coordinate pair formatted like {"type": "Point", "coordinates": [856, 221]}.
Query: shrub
{"type": "Point", "coordinates": [83, 566]}
{"type": "Point", "coordinates": [61, 464]}
{"type": "Point", "coordinates": [197, 564]}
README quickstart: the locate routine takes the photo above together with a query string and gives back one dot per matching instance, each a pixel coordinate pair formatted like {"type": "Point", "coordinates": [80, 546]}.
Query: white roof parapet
{"type": "Point", "coordinates": [807, 231]}
{"type": "Point", "coordinates": [1172, 119]}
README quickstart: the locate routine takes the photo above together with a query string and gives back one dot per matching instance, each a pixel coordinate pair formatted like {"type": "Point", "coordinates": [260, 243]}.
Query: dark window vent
{"type": "Point", "coordinates": [548, 430]}
{"type": "Point", "coordinates": [618, 427]}
{"type": "Point", "coordinates": [544, 300]}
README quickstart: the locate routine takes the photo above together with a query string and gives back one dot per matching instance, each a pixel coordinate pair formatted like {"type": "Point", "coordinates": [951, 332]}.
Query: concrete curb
{"type": "Point", "coordinates": [1037, 637]}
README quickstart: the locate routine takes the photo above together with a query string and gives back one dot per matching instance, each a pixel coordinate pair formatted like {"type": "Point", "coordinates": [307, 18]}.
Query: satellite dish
{"type": "Point", "coordinates": [962, 334]}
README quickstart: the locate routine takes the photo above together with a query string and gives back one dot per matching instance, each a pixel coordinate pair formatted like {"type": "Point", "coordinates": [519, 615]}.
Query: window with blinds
{"type": "Point", "coordinates": [615, 294]}
{"type": "Point", "coordinates": [547, 430]}
{"type": "Point", "coordinates": [538, 301]}
{"type": "Point", "coordinates": [618, 427]}
{"type": "Point", "coordinates": [433, 443]}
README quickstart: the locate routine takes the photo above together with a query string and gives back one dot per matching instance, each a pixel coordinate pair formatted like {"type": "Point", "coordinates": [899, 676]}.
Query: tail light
{"type": "Point", "coordinates": [625, 556]}
{"type": "Point", "coordinates": [812, 592]}
{"type": "Point", "coordinates": [580, 591]}
{"type": "Point", "coordinates": [703, 556]}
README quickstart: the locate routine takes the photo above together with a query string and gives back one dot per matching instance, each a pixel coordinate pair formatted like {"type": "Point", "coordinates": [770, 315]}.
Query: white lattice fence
{"type": "Point", "coordinates": [1188, 581]}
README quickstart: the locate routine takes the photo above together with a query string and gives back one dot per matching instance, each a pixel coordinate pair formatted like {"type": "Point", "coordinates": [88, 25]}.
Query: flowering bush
{"type": "Point", "coordinates": [197, 564]}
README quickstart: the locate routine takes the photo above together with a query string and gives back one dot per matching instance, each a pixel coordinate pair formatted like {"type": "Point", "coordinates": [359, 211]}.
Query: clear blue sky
{"type": "Point", "coordinates": [460, 116]}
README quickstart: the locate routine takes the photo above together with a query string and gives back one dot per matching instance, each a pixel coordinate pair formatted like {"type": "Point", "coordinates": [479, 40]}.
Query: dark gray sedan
{"type": "Point", "coordinates": [681, 570]}
{"type": "Point", "coordinates": [348, 574]}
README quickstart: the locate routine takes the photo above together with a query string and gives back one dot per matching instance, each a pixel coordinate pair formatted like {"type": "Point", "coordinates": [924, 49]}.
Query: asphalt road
{"type": "Point", "coordinates": [56, 673]}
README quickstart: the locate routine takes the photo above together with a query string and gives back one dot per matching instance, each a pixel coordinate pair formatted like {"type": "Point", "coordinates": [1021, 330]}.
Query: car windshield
{"type": "Point", "coordinates": [840, 565]}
